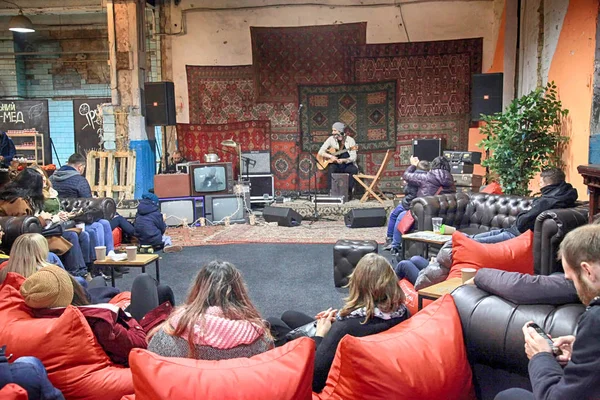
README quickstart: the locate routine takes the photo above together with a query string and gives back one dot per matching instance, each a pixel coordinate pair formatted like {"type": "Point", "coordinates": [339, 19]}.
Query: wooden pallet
{"type": "Point", "coordinates": [111, 173]}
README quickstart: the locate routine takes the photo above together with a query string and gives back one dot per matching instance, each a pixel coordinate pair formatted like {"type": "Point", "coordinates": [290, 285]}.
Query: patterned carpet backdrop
{"type": "Point", "coordinates": [434, 78]}
{"type": "Point", "coordinates": [368, 110]}
{"type": "Point", "coordinates": [225, 94]}
{"type": "Point", "coordinates": [448, 127]}
{"type": "Point", "coordinates": [196, 140]}
{"type": "Point", "coordinates": [285, 57]}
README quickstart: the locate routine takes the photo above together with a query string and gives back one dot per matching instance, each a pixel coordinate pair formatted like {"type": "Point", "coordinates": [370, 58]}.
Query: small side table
{"type": "Point", "coordinates": [140, 261]}
{"type": "Point", "coordinates": [436, 291]}
{"type": "Point", "coordinates": [427, 237]}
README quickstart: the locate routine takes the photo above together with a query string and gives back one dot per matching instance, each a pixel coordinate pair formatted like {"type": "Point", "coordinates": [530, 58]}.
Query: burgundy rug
{"type": "Point", "coordinates": [285, 57]}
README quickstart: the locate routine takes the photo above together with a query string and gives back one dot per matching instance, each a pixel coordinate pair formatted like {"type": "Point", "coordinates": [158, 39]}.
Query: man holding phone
{"type": "Point", "coordinates": [572, 372]}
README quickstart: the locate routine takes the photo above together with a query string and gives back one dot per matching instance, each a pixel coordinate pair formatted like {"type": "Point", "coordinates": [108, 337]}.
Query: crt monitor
{"type": "Point", "coordinates": [217, 207]}
{"type": "Point", "coordinates": [211, 178]}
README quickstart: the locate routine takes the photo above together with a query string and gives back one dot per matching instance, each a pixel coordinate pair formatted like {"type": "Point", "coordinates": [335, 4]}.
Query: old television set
{"type": "Point", "coordinates": [184, 168]}
{"type": "Point", "coordinates": [180, 210]}
{"type": "Point", "coordinates": [211, 178]}
{"type": "Point", "coordinates": [218, 207]}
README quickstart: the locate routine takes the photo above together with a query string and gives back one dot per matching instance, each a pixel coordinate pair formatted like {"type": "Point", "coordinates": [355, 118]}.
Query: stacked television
{"type": "Point", "coordinates": [200, 190]}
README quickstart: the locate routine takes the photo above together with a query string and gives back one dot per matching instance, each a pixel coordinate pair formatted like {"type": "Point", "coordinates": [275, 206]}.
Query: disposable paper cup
{"type": "Point", "coordinates": [131, 253]}
{"type": "Point", "coordinates": [437, 224]}
{"type": "Point", "coordinates": [100, 253]}
{"type": "Point", "coordinates": [467, 273]}
{"type": "Point", "coordinates": [447, 230]}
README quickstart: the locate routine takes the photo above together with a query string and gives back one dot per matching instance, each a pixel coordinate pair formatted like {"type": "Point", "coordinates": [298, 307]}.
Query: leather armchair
{"type": "Point", "coordinates": [474, 213]}
{"type": "Point", "coordinates": [494, 339]}
{"type": "Point", "coordinates": [95, 208]}
{"type": "Point", "coordinates": [13, 227]}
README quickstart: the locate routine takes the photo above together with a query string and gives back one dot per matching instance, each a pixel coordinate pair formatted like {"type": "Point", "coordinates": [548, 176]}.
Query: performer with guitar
{"type": "Point", "coordinates": [338, 153]}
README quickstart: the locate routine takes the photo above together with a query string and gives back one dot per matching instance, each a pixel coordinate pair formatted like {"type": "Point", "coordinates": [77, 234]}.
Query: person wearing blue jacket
{"type": "Point", "coordinates": [7, 149]}
{"type": "Point", "coordinates": [149, 223]}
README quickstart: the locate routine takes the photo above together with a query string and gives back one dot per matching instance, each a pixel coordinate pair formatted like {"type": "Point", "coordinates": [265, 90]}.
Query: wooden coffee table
{"type": "Point", "coordinates": [140, 261]}
{"type": "Point", "coordinates": [427, 237]}
{"type": "Point", "coordinates": [436, 291]}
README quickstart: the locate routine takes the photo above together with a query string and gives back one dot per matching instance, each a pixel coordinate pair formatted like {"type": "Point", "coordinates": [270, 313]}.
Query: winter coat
{"type": "Point", "coordinates": [69, 183]}
{"type": "Point", "coordinates": [430, 182]}
{"type": "Point", "coordinates": [559, 195]}
{"type": "Point", "coordinates": [410, 191]}
{"type": "Point", "coordinates": [7, 149]}
{"type": "Point", "coordinates": [149, 224]}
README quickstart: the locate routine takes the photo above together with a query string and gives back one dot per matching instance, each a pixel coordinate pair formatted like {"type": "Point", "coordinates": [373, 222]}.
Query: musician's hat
{"type": "Point", "coordinates": [339, 126]}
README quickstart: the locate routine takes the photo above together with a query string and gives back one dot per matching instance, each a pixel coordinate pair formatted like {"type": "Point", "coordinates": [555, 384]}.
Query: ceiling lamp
{"type": "Point", "coordinates": [20, 23]}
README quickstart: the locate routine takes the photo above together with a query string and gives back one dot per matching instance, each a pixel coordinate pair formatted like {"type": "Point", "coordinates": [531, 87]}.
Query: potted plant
{"type": "Point", "coordinates": [525, 139]}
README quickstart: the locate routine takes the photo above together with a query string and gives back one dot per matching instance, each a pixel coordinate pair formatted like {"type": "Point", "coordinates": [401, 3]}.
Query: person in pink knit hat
{"type": "Point", "coordinates": [217, 321]}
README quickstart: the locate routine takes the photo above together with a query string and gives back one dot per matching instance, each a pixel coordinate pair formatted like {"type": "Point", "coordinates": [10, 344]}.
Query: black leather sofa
{"type": "Point", "coordinates": [94, 209]}
{"type": "Point", "coordinates": [492, 330]}
{"type": "Point", "coordinates": [474, 213]}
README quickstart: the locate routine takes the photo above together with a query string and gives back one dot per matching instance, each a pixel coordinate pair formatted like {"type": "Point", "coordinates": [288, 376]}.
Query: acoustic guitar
{"type": "Point", "coordinates": [323, 163]}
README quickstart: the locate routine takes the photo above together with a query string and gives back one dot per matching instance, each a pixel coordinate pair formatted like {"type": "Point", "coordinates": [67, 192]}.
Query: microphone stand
{"type": "Point", "coordinates": [316, 199]}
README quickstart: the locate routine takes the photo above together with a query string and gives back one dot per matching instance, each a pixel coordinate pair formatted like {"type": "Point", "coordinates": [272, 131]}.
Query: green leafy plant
{"type": "Point", "coordinates": [525, 139]}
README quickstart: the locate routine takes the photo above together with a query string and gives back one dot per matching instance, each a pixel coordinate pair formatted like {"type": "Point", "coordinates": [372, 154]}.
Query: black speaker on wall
{"type": "Point", "coordinates": [365, 217]}
{"type": "Point", "coordinates": [428, 149]}
{"type": "Point", "coordinates": [160, 103]}
{"type": "Point", "coordinates": [282, 215]}
{"type": "Point", "coordinates": [486, 94]}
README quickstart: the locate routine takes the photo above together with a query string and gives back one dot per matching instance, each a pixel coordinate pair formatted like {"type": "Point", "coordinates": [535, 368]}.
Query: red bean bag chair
{"type": "Point", "coordinates": [66, 345]}
{"type": "Point", "coordinates": [13, 392]}
{"type": "Point", "coordinates": [117, 236]}
{"type": "Point", "coordinates": [424, 357]}
{"type": "Point", "coordinates": [283, 373]}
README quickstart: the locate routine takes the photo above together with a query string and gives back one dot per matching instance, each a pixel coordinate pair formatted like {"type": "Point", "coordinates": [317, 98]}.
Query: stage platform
{"type": "Point", "coordinates": [332, 211]}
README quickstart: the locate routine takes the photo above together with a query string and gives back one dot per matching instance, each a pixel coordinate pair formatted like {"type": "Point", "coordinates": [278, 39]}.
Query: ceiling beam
{"type": "Point", "coordinates": [62, 10]}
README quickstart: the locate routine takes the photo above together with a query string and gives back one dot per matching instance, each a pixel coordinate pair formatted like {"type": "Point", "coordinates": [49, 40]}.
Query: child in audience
{"type": "Point", "coordinates": [150, 225]}
{"type": "Point", "coordinates": [218, 320]}
{"type": "Point", "coordinates": [375, 304]}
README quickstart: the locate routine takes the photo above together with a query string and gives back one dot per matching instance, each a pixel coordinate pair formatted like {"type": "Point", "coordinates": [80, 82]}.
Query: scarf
{"type": "Point", "coordinates": [214, 330]}
{"type": "Point", "coordinates": [362, 313]}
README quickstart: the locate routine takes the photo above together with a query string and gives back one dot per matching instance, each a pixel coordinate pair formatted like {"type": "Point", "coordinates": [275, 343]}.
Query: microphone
{"type": "Point", "coordinates": [300, 107]}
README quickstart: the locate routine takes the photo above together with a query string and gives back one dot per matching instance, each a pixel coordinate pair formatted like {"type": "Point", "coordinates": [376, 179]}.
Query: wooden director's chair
{"type": "Point", "coordinates": [372, 189]}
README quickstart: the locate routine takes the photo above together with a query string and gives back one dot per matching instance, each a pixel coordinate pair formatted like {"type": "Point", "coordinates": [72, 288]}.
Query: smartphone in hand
{"type": "Point", "coordinates": [555, 350]}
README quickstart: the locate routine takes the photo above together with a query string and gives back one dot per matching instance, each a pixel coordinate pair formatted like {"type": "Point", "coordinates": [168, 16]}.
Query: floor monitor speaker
{"type": "Point", "coordinates": [486, 94]}
{"type": "Point", "coordinates": [365, 217]}
{"type": "Point", "coordinates": [284, 216]}
{"type": "Point", "coordinates": [160, 103]}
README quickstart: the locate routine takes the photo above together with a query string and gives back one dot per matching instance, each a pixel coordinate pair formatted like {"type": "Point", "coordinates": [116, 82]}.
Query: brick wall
{"type": "Point", "coordinates": [62, 129]}
{"type": "Point", "coordinates": [8, 68]}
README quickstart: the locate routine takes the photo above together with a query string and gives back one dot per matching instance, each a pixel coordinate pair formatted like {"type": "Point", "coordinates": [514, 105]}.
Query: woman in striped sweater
{"type": "Point", "coordinates": [218, 321]}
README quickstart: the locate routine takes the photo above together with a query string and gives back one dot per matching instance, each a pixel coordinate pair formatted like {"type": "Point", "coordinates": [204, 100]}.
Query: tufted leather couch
{"type": "Point", "coordinates": [494, 339]}
{"type": "Point", "coordinates": [95, 208]}
{"type": "Point", "coordinates": [474, 213]}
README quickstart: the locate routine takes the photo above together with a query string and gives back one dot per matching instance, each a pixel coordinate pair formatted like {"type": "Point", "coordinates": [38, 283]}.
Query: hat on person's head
{"type": "Point", "coordinates": [50, 287]}
{"type": "Point", "coordinates": [151, 196]}
{"type": "Point", "coordinates": [339, 126]}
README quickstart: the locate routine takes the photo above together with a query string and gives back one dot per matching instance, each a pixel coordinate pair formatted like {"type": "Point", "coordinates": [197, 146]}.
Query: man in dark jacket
{"type": "Point", "coordinates": [574, 373]}
{"type": "Point", "coordinates": [556, 193]}
{"type": "Point", "coordinates": [149, 222]}
{"type": "Point", "coordinates": [69, 181]}
{"type": "Point", "coordinates": [7, 150]}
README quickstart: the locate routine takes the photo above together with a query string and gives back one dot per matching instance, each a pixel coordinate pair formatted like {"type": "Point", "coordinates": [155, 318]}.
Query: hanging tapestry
{"type": "Point", "coordinates": [285, 57]}
{"type": "Point", "coordinates": [368, 110]}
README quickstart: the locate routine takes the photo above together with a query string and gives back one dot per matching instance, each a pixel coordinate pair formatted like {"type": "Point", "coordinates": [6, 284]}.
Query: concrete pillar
{"type": "Point", "coordinates": [126, 30]}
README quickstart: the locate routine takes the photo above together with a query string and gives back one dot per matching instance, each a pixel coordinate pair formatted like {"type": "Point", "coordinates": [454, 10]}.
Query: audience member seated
{"type": "Point", "coordinates": [7, 150]}
{"type": "Point", "coordinates": [30, 374]}
{"type": "Point", "coordinates": [177, 158]}
{"type": "Point", "coordinates": [70, 182]}
{"type": "Point", "coordinates": [218, 321]}
{"type": "Point", "coordinates": [150, 225]}
{"type": "Point", "coordinates": [438, 180]}
{"type": "Point", "coordinates": [50, 290]}
{"type": "Point", "coordinates": [410, 193]}
{"type": "Point", "coordinates": [375, 304]}
{"type": "Point", "coordinates": [430, 272]}
{"type": "Point", "coordinates": [572, 373]}
{"type": "Point", "coordinates": [556, 193]}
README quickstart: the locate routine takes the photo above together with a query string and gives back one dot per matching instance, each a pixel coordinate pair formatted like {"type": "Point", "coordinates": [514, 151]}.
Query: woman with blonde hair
{"type": "Point", "coordinates": [218, 320]}
{"type": "Point", "coordinates": [28, 254]}
{"type": "Point", "coordinates": [375, 303]}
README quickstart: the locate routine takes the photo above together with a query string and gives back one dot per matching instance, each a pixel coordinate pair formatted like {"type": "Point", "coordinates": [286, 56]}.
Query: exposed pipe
{"type": "Point", "coordinates": [112, 42]}
{"type": "Point", "coordinates": [51, 53]}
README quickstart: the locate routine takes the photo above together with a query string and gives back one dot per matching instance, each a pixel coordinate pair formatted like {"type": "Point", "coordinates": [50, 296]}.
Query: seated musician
{"type": "Point", "coordinates": [341, 161]}
{"type": "Point", "coordinates": [177, 158]}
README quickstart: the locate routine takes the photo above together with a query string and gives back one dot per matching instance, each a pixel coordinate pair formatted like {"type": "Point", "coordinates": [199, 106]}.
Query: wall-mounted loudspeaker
{"type": "Point", "coordinates": [486, 94]}
{"type": "Point", "coordinates": [160, 103]}
{"type": "Point", "coordinates": [428, 149]}
{"type": "Point", "coordinates": [365, 217]}
{"type": "Point", "coordinates": [282, 215]}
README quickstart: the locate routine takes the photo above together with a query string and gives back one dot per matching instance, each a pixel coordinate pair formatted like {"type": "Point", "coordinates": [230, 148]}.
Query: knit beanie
{"type": "Point", "coordinates": [50, 287]}
{"type": "Point", "coordinates": [151, 196]}
{"type": "Point", "coordinates": [339, 126]}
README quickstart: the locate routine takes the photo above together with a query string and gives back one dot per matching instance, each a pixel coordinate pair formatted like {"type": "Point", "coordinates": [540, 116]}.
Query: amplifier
{"type": "Point", "coordinates": [468, 180]}
{"type": "Point", "coordinates": [262, 188]}
{"type": "Point", "coordinates": [461, 168]}
{"type": "Point", "coordinates": [172, 185]}
{"type": "Point", "coordinates": [469, 157]}
{"type": "Point", "coordinates": [339, 186]}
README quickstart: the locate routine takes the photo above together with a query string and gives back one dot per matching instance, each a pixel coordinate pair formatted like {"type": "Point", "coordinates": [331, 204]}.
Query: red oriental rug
{"type": "Point", "coordinates": [286, 57]}
{"type": "Point", "coordinates": [225, 94]}
{"type": "Point", "coordinates": [434, 78]}
{"type": "Point", "coordinates": [197, 140]}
